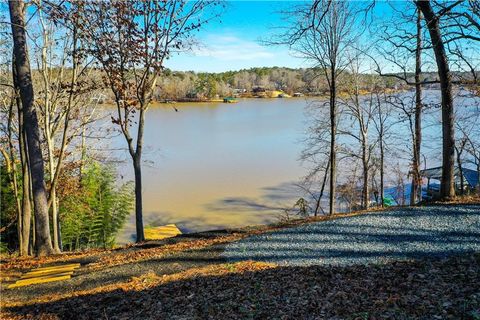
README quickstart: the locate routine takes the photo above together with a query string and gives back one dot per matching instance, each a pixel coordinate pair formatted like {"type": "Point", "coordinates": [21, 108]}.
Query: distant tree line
{"type": "Point", "coordinates": [175, 85]}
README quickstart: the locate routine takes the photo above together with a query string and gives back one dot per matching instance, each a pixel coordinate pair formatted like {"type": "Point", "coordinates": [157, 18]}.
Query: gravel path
{"type": "Point", "coordinates": [404, 233]}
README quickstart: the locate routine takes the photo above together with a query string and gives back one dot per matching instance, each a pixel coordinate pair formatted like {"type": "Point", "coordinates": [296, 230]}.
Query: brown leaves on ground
{"type": "Point", "coordinates": [462, 199]}
{"type": "Point", "coordinates": [428, 289]}
{"type": "Point", "coordinates": [11, 268]}
{"type": "Point", "coordinates": [150, 280]}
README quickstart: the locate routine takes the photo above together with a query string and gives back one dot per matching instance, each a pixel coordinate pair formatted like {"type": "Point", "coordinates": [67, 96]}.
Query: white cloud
{"type": "Point", "coordinates": [231, 48]}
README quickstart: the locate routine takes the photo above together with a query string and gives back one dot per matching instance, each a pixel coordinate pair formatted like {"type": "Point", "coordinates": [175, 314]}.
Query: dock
{"type": "Point", "coordinates": [162, 232]}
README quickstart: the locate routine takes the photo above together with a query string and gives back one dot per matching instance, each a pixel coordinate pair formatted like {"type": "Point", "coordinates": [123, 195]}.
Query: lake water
{"type": "Point", "coordinates": [211, 166]}
{"type": "Point", "coordinates": [219, 165]}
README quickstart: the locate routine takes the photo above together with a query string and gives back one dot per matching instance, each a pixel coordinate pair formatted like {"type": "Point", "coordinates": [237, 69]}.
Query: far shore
{"type": "Point", "coordinates": [237, 98]}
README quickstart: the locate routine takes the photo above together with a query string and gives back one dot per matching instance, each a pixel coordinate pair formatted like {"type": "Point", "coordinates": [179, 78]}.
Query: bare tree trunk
{"type": "Point", "coordinates": [26, 203]}
{"type": "Point", "coordinates": [26, 209]}
{"type": "Point", "coordinates": [382, 173]}
{"type": "Point", "coordinates": [55, 222]}
{"type": "Point", "coordinates": [418, 115]}
{"type": "Point", "coordinates": [53, 195]}
{"type": "Point", "coordinates": [333, 134]}
{"type": "Point", "coordinates": [322, 188]}
{"type": "Point", "coordinates": [138, 198]}
{"type": "Point", "coordinates": [365, 192]}
{"type": "Point", "coordinates": [43, 243]}
{"type": "Point", "coordinates": [460, 169]}
{"type": "Point", "coordinates": [49, 131]}
{"type": "Point", "coordinates": [447, 187]}
{"type": "Point", "coordinates": [25, 221]}
{"type": "Point", "coordinates": [365, 157]}
{"type": "Point", "coordinates": [10, 161]}
{"type": "Point", "coordinates": [381, 135]}
{"type": "Point", "coordinates": [137, 167]}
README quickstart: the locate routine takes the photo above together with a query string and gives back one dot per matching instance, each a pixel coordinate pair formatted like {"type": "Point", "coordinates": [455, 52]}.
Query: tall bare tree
{"type": "Point", "coordinates": [322, 33]}
{"type": "Point", "coordinates": [447, 188]}
{"type": "Point", "coordinates": [448, 23]}
{"type": "Point", "coordinates": [362, 110]}
{"type": "Point", "coordinates": [64, 85]}
{"type": "Point", "coordinates": [13, 146]}
{"type": "Point", "coordinates": [400, 44]}
{"type": "Point", "coordinates": [131, 40]}
{"type": "Point", "coordinates": [383, 124]}
{"type": "Point", "coordinates": [43, 245]}
{"type": "Point", "coordinates": [417, 144]}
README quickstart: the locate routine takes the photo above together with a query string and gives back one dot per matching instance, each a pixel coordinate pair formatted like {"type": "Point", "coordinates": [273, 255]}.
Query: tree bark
{"type": "Point", "coordinates": [460, 169]}
{"type": "Point", "coordinates": [418, 115]}
{"type": "Point", "coordinates": [53, 194]}
{"type": "Point", "coordinates": [365, 191]}
{"type": "Point", "coordinates": [381, 134]}
{"type": "Point", "coordinates": [447, 187]}
{"type": "Point", "coordinates": [137, 168]}
{"type": "Point", "coordinates": [12, 171]}
{"type": "Point", "coordinates": [26, 204]}
{"type": "Point", "coordinates": [333, 133]}
{"type": "Point", "coordinates": [49, 134]}
{"type": "Point", "coordinates": [322, 189]}
{"type": "Point", "coordinates": [138, 198]}
{"type": "Point", "coordinates": [43, 245]}
{"type": "Point", "coordinates": [382, 173]}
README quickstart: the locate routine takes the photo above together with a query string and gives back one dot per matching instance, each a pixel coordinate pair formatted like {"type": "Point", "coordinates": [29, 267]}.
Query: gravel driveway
{"type": "Point", "coordinates": [404, 233]}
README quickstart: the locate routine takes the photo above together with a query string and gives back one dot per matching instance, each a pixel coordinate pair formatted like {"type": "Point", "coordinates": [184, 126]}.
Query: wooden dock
{"type": "Point", "coordinates": [162, 232]}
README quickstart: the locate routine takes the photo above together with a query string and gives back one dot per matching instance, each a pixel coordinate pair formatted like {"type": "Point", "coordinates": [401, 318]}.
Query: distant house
{"type": "Point", "coordinates": [258, 89]}
{"type": "Point", "coordinates": [469, 177]}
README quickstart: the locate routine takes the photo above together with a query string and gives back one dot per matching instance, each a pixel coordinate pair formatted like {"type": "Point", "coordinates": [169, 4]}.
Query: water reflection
{"type": "Point", "coordinates": [213, 166]}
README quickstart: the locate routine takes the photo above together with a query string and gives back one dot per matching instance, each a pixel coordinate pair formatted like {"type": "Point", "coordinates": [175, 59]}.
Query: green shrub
{"type": "Point", "coordinates": [93, 216]}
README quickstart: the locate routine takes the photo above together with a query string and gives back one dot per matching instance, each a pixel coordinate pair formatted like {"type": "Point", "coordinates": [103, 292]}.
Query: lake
{"type": "Point", "coordinates": [217, 165]}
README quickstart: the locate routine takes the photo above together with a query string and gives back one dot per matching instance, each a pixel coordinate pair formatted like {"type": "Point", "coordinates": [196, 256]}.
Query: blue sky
{"type": "Point", "coordinates": [234, 42]}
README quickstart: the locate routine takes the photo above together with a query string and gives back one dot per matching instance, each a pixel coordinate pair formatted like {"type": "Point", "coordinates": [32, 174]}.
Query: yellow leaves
{"type": "Point", "coordinates": [142, 282]}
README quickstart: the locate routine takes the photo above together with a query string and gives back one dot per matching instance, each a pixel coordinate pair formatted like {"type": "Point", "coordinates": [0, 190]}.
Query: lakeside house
{"type": "Point", "coordinates": [465, 178]}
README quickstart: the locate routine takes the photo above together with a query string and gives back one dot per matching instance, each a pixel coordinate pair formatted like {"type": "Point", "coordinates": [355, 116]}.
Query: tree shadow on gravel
{"type": "Point", "coordinates": [370, 238]}
{"type": "Point", "coordinates": [401, 290]}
